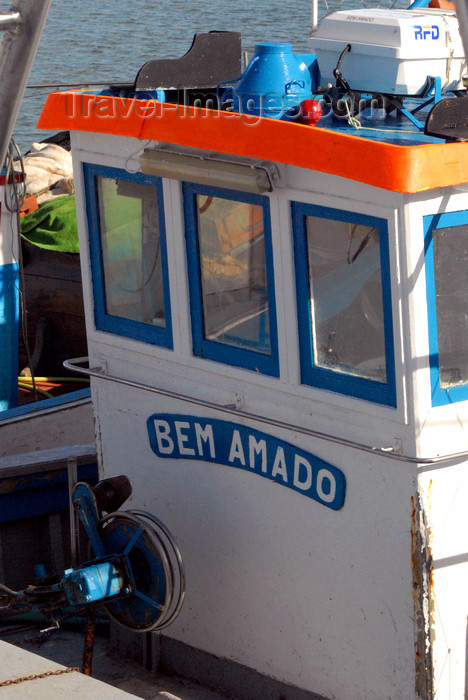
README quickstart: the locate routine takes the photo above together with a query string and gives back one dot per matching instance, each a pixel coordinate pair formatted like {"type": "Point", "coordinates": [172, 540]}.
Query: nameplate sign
{"type": "Point", "coordinates": [174, 436]}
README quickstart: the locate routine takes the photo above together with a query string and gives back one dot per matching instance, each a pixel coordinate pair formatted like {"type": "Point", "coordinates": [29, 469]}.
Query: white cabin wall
{"type": "Point", "coordinates": [120, 152]}
{"type": "Point", "coordinates": [440, 430]}
{"type": "Point", "coordinates": [178, 274]}
{"type": "Point", "coordinates": [444, 490]}
{"type": "Point", "coordinates": [317, 598]}
{"type": "Point", "coordinates": [106, 150]}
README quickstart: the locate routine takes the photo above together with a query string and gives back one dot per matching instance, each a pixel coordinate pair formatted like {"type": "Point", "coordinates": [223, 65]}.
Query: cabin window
{"type": "Point", "coordinates": [344, 304]}
{"type": "Point", "coordinates": [231, 277]}
{"type": "Point", "coordinates": [447, 290]}
{"type": "Point", "coordinates": [128, 254]}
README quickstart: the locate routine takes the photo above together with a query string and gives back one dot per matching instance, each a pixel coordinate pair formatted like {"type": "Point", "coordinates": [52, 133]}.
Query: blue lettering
{"type": "Point", "coordinates": [426, 32]}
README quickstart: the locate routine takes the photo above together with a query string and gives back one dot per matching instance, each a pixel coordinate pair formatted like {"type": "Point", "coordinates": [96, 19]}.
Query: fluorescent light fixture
{"type": "Point", "coordinates": [207, 171]}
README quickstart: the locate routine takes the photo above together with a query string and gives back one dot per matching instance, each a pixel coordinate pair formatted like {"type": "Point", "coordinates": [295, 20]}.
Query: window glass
{"type": "Point", "coordinates": [127, 244]}
{"type": "Point", "coordinates": [450, 246]}
{"type": "Point", "coordinates": [233, 272]}
{"type": "Point", "coordinates": [347, 319]}
{"type": "Point", "coordinates": [231, 277]}
{"type": "Point", "coordinates": [344, 303]}
{"type": "Point", "coordinates": [131, 250]}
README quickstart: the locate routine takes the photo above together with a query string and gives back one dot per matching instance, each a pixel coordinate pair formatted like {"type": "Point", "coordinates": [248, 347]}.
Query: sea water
{"type": "Point", "coordinates": [107, 41]}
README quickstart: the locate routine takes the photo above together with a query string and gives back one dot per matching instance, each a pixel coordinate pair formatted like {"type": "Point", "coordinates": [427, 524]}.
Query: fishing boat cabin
{"type": "Point", "coordinates": [274, 271]}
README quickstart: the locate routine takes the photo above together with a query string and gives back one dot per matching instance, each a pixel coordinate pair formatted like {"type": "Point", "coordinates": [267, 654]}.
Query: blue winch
{"type": "Point", "coordinates": [136, 571]}
{"type": "Point", "coordinates": [274, 84]}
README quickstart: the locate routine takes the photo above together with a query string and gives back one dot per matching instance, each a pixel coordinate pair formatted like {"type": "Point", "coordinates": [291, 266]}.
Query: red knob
{"type": "Point", "coordinates": [311, 112]}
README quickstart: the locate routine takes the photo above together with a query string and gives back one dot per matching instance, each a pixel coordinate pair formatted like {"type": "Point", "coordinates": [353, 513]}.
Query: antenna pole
{"type": "Point", "coordinates": [314, 18]}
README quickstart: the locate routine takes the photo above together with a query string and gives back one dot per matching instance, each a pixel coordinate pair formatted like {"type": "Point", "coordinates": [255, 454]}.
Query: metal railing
{"type": "Point", "coordinates": [75, 365]}
{"type": "Point", "coordinates": [322, 8]}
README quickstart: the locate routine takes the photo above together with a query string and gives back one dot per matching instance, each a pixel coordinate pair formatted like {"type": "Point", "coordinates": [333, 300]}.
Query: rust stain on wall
{"type": "Point", "coordinates": [423, 599]}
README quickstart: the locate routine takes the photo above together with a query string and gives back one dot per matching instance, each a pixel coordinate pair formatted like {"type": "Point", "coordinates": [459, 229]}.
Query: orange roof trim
{"type": "Point", "coordinates": [384, 165]}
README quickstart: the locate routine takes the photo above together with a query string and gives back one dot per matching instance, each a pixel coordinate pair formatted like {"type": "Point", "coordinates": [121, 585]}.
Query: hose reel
{"type": "Point", "coordinates": [136, 571]}
{"type": "Point", "coordinates": [156, 566]}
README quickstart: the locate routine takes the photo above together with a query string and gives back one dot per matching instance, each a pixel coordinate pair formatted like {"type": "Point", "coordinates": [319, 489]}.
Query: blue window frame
{"type": "Point", "coordinates": [344, 302]}
{"type": "Point", "coordinates": [127, 243]}
{"type": "Point", "coordinates": [230, 263]}
{"type": "Point", "coordinates": [446, 258]}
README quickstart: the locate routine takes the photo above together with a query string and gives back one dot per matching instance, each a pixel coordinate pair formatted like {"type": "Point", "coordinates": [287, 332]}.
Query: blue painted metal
{"type": "Point", "coordinates": [95, 583]}
{"type": "Point", "coordinates": [149, 584]}
{"type": "Point", "coordinates": [123, 539]}
{"type": "Point", "coordinates": [92, 584]}
{"type": "Point", "coordinates": [274, 83]}
{"type": "Point", "coordinates": [310, 60]}
{"type": "Point", "coordinates": [250, 358]}
{"type": "Point", "coordinates": [418, 3]}
{"type": "Point", "coordinates": [435, 90]}
{"type": "Point", "coordinates": [174, 436]}
{"type": "Point", "coordinates": [401, 132]}
{"type": "Point", "coordinates": [409, 115]}
{"type": "Point", "coordinates": [28, 496]}
{"type": "Point", "coordinates": [40, 571]}
{"type": "Point", "coordinates": [359, 387]}
{"type": "Point", "coordinates": [137, 573]}
{"type": "Point", "coordinates": [84, 502]}
{"type": "Point", "coordinates": [45, 404]}
{"type": "Point", "coordinates": [9, 315]}
{"type": "Point", "coordinates": [106, 577]}
{"type": "Point", "coordinates": [145, 332]}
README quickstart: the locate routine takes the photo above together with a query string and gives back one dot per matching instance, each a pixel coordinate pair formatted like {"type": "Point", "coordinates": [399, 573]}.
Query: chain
{"type": "Point", "coordinates": [35, 676]}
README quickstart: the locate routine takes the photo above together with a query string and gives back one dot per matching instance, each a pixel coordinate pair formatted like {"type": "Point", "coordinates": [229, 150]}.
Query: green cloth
{"type": "Point", "coordinates": [53, 225]}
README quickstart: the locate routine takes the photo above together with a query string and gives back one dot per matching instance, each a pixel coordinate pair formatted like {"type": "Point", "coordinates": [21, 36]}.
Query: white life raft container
{"type": "Point", "coordinates": [392, 51]}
